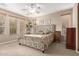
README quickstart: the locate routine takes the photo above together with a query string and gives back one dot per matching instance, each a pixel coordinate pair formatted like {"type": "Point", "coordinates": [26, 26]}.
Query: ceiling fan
{"type": "Point", "coordinates": [32, 8]}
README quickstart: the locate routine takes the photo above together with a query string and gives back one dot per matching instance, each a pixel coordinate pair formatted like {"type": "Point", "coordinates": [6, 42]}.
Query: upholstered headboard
{"type": "Point", "coordinates": [43, 29]}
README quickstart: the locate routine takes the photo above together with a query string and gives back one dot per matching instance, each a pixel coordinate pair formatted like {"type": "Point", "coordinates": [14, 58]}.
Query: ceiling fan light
{"type": "Point", "coordinates": [32, 8]}
{"type": "Point", "coordinates": [32, 11]}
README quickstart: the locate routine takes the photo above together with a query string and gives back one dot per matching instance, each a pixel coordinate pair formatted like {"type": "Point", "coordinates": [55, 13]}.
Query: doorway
{"type": "Point", "coordinates": [66, 23]}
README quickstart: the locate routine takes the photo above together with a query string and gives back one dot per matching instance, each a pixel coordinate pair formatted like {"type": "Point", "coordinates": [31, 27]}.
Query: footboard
{"type": "Point", "coordinates": [40, 43]}
{"type": "Point", "coordinates": [37, 44]}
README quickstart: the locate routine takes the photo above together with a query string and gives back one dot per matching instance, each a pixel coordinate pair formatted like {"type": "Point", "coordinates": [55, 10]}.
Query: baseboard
{"type": "Point", "coordinates": [77, 51]}
{"type": "Point", "coordinates": [8, 42]}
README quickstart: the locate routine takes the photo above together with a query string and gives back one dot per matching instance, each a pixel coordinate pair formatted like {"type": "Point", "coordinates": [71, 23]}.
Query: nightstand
{"type": "Point", "coordinates": [57, 36]}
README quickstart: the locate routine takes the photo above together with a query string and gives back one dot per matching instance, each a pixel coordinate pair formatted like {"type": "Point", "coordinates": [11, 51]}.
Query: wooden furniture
{"type": "Point", "coordinates": [71, 38]}
{"type": "Point", "coordinates": [57, 36]}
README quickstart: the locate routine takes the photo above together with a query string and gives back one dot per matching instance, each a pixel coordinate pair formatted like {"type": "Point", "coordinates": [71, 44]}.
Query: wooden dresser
{"type": "Point", "coordinates": [71, 38]}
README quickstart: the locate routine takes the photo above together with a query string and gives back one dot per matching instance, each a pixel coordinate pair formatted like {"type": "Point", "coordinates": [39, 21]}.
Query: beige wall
{"type": "Point", "coordinates": [54, 18]}
{"type": "Point", "coordinates": [75, 24]}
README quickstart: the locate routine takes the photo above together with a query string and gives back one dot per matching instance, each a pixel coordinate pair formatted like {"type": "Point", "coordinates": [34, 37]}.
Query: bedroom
{"type": "Point", "coordinates": [18, 19]}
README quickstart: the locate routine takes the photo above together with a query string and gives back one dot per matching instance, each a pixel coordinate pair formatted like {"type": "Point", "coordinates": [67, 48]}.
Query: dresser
{"type": "Point", "coordinates": [71, 38]}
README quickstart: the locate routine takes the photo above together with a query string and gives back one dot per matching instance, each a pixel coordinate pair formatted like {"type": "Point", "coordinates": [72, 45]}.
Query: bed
{"type": "Point", "coordinates": [37, 41]}
{"type": "Point", "coordinates": [40, 42]}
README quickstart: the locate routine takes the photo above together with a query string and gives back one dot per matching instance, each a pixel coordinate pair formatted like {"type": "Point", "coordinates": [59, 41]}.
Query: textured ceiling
{"type": "Point", "coordinates": [46, 8]}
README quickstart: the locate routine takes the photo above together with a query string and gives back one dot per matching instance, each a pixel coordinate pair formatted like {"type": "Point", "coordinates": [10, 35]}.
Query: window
{"type": "Point", "coordinates": [22, 26]}
{"type": "Point", "coordinates": [13, 25]}
{"type": "Point", "coordinates": [2, 23]}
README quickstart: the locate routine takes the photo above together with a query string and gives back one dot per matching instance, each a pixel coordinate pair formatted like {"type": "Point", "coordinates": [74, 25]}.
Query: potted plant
{"type": "Point", "coordinates": [29, 26]}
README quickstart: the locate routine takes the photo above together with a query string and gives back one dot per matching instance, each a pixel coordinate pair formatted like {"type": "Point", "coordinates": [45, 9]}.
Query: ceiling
{"type": "Point", "coordinates": [46, 8]}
